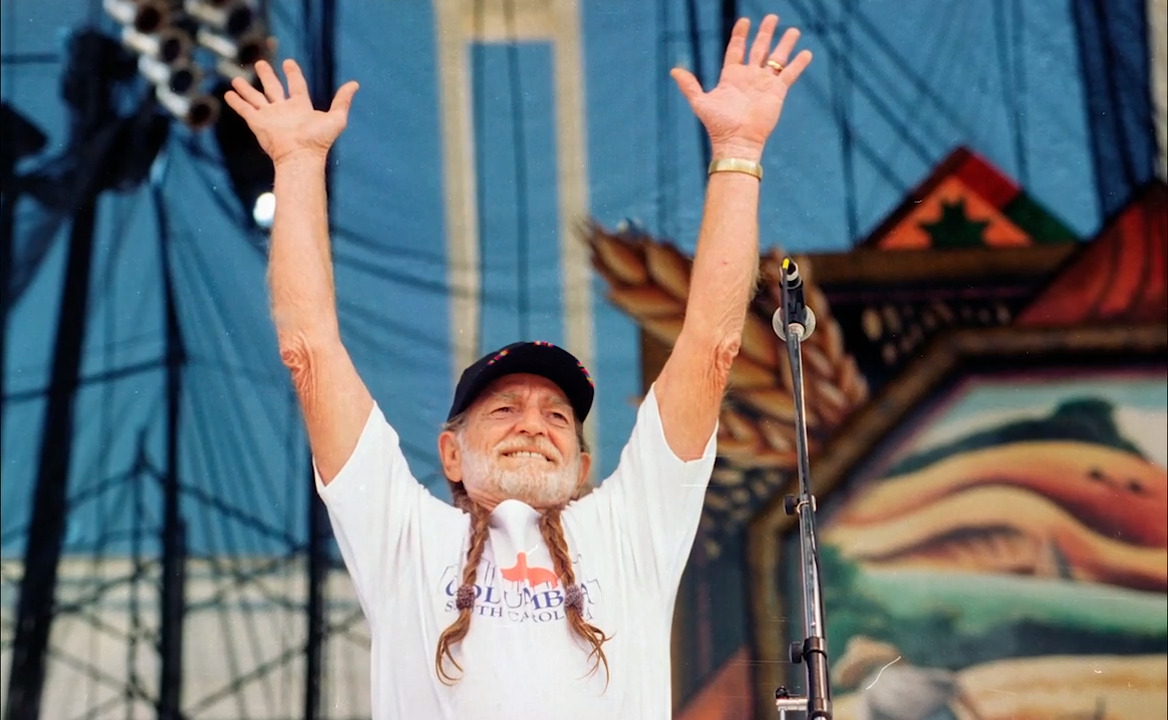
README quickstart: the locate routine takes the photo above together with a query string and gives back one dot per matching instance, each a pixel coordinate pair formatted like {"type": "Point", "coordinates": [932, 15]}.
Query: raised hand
{"type": "Point", "coordinates": [287, 125]}
{"type": "Point", "coordinates": [742, 110]}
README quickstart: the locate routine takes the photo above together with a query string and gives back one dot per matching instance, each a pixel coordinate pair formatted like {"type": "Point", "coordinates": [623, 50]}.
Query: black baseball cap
{"type": "Point", "coordinates": [538, 358]}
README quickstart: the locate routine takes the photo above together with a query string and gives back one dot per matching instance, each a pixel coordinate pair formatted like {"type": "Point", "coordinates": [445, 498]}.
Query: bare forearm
{"type": "Point", "coordinates": [335, 401]}
{"type": "Point", "coordinates": [297, 137]}
{"type": "Point", "coordinates": [300, 271]}
{"type": "Point", "coordinates": [725, 265]}
{"type": "Point", "coordinates": [722, 281]}
{"type": "Point", "coordinates": [739, 114]}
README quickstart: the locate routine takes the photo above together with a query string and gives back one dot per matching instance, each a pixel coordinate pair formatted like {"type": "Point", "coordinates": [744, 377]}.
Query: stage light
{"type": "Point", "coordinates": [177, 86]}
{"type": "Point", "coordinates": [197, 112]}
{"type": "Point", "coordinates": [233, 32]}
{"type": "Point", "coordinates": [144, 16]}
{"type": "Point", "coordinates": [166, 34]}
{"type": "Point", "coordinates": [233, 18]}
{"type": "Point", "coordinates": [168, 44]}
{"type": "Point", "coordinates": [264, 211]}
{"type": "Point", "coordinates": [180, 77]}
{"type": "Point", "coordinates": [236, 56]}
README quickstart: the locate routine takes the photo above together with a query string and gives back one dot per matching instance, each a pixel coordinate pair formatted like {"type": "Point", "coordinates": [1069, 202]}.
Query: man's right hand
{"type": "Point", "coordinates": [286, 124]}
{"type": "Point", "coordinates": [335, 402]}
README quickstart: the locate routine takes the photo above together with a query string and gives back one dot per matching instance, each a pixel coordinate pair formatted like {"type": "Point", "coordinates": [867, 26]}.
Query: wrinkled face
{"type": "Point", "coordinates": [519, 442]}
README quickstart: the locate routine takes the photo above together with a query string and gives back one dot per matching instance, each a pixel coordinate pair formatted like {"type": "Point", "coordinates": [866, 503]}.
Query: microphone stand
{"type": "Point", "coordinates": [793, 322]}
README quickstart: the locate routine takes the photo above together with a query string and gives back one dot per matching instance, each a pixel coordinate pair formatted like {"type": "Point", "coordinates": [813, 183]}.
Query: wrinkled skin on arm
{"type": "Point", "coordinates": [739, 114]}
{"type": "Point", "coordinates": [334, 400]}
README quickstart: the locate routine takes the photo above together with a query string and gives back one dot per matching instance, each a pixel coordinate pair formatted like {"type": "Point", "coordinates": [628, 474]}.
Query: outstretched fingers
{"type": "Point", "coordinates": [247, 93]}
{"type": "Point", "coordinates": [762, 41]}
{"type": "Point", "coordinates": [796, 67]}
{"type": "Point", "coordinates": [690, 88]}
{"type": "Point", "coordinates": [736, 47]}
{"type": "Point", "coordinates": [297, 85]}
{"type": "Point", "coordinates": [343, 100]}
{"type": "Point", "coordinates": [786, 45]}
{"type": "Point", "coordinates": [273, 89]}
{"type": "Point", "coordinates": [238, 104]}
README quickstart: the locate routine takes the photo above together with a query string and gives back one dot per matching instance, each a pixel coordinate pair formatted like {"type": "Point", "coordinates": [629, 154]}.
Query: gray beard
{"type": "Point", "coordinates": [528, 484]}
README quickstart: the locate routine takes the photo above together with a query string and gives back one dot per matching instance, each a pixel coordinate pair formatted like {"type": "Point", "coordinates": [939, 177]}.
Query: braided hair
{"type": "Point", "coordinates": [551, 528]}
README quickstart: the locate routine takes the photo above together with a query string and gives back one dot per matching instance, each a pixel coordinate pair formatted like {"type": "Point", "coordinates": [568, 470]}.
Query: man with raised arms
{"type": "Point", "coordinates": [526, 598]}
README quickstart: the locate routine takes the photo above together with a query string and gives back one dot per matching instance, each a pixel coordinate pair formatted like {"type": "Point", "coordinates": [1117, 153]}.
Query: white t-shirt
{"type": "Point", "coordinates": [629, 541]}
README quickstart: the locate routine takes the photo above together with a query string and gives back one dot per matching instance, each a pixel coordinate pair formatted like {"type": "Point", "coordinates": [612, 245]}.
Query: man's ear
{"type": "Point", "coordinates": [450, 455]}
{"type": "Point", "coordinates": [585, 466]}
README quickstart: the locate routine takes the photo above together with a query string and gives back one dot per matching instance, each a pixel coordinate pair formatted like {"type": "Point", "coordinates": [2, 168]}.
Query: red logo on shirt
{"type": "Point", "coordinates": [534, 576]}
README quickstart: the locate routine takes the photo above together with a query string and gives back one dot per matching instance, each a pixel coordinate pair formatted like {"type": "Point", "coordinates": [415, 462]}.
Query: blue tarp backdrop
{"type": "Point", "coordinates": [894, 87]}
{"type": "Point", "coordinates": [485, 133]}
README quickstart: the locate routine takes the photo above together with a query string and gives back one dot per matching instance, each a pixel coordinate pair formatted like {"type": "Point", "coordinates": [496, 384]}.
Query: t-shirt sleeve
{"type": "Point", "coordinates": [652, 502]}
{"type": "Point", "coordinates": [378, 509]}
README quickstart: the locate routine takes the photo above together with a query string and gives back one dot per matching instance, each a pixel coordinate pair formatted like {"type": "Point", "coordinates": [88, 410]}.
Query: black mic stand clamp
{"type": "Point", "coordinates": [793, 322]}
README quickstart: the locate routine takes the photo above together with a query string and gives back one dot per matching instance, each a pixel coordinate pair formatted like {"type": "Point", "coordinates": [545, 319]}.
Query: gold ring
{"type": "Point", "coordinates": [775, 65]}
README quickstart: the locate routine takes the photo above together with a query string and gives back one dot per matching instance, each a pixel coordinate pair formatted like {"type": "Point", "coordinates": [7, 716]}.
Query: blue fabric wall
{"type": "Point", "coordinates": [894, 88]}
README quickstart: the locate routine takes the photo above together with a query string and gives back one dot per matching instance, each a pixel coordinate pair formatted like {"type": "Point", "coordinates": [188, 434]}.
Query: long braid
{"type": "Point", "coordinates": [552, 528]}
{"type": "Point", "coordinates": [457, 631]}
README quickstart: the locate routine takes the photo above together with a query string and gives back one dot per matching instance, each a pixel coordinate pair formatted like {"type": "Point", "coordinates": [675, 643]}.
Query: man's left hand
{"type": "Point", "coordinates": [742, 110]}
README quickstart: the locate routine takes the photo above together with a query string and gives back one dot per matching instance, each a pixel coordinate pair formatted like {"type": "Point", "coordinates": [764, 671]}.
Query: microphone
{"type": "Point", "coordinates": [793, 308]}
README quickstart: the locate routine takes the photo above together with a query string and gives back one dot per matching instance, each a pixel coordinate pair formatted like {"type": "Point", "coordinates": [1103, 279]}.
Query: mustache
{"type": "Point", "coordinates": [541, 446]}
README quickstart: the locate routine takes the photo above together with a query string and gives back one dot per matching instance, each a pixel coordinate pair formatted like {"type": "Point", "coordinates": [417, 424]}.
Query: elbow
{"type": "Point", "coordinates": [294, 346]}
{"type": "Point", "coordinates": [705, 354]}
{"type": "Point", "coordinates": [725, 351]}
{"type": "Point", "coordinates": [304, 354]}
{"type": "Point", "coordinates": [296, 354]}
{"type": "Point", "coordinates": [717, 345]}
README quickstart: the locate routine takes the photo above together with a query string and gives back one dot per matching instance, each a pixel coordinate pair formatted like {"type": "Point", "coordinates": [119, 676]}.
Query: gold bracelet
{"type": "Point", "coordinates": [738, 165]}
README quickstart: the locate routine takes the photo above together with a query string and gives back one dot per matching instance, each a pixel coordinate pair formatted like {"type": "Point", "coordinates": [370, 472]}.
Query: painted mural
{"type": "Point", "coordinates": [987, 424]}
{"type": "Point", "coordinates": [994, 536]}
{"type": "Point", "coordinates": [1008, 558]}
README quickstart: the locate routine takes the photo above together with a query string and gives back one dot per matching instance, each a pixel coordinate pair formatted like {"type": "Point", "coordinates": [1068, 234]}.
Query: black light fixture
{"type": "Point", "coordinates": [183, 45]}
{"type": "Point", "coordinates": [248, 167]}
{"type": "Point", "coordinates": [107, 149]}
{"type": "Point", "coordinates": [144, 16]}
{"type": "Point", "coordinates": [189, 51]}
{"type": "Point", "coordinates": [19, 138]}
{"type": "Point", "coordinates": [233, 31]}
